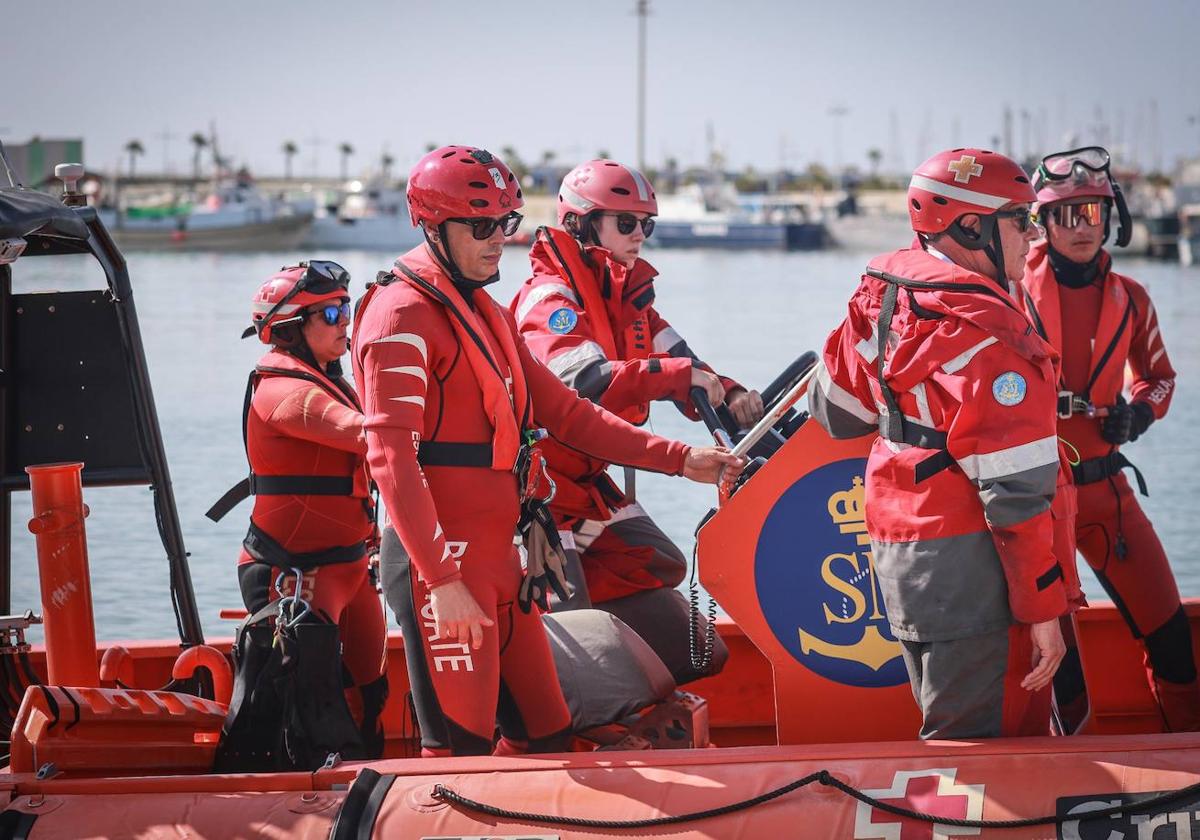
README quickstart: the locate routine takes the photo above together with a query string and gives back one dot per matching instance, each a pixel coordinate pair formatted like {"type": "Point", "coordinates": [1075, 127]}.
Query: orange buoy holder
{"type": "Point", "coordinates": [57, 524]}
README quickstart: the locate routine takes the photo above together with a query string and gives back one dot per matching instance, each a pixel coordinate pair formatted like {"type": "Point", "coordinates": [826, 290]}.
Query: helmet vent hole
{"type": "Point", "coordinates": [938, 200]}
{"type": "Point", "coordinates": [479, 185]}
{"type": "Point", "coordinates": [916, 204]}
{"type": "Point", "coordinates": [987, 151]}
{"type": "Point", "coordinates": [450, 153]}
{"type": "Point", "coordinates": [479, 202]}
{"type": "Point", "coordinates": [1021, 179]}
{"type": "Point", "coordinates": [956, 151]}
{"type": "Point", "coordinates": [519, 193]}
{"type": "Point", "coordinates": [610, 163]}
{"type": "Point", "coordinates": [466, 160]}
{"type": "Point", "coordinates": [620, 191]}
{"type": "Point", "coordinates": [511, 178]}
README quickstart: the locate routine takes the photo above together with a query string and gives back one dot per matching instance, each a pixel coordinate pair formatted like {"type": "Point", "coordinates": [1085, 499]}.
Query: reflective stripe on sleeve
{"type": "Point", "coordinates": [566, 362]}
{"type": "Point", "coordinates": [1015, 459]}
{"type": "Point", "coordinates": [666, 339]}
{"type": "Point", "coordinates": [539, 293]}
{"type": "Point", "coordinates": [964, 358]}
{"type": "Point", "coordinates": [842, 398]}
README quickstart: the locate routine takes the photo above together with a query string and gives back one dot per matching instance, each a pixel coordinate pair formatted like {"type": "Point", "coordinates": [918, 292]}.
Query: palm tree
{"type": "Point", "coordinates": [514, 162]}
{"type": "Point", "coordinates": [345, 149]}
{"type": "Point", "coordinates": [289, 151]}
{"type": "Point", "coordinates": [134, 148]}
{"type": "Point", "coordinates": [199, 142]}
{"type": "Point", "coordinates": [876, 157]}
{"type": "Point", "coordinates": [385, 165]}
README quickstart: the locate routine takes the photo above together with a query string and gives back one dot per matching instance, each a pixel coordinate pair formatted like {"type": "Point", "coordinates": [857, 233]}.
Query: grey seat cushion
{"type": "Point", "coordinates": [606, 671]}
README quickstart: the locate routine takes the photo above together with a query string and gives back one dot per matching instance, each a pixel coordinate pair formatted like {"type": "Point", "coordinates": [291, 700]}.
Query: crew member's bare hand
{"type": "Point", "coordinates": [711, 383]}
{"type": "Point", "coordinates": [1048, 652]}
{"type": "Point", "coordinates": [711, 464]}
{"type": "Point", "coordinates": [457, 614]}
{"type": "Point", "coordinates": [746, 406]}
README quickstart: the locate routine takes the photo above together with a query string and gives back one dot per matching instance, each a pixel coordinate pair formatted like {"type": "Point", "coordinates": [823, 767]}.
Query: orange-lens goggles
{"type": "Point", "coordinates": [1092, 213]}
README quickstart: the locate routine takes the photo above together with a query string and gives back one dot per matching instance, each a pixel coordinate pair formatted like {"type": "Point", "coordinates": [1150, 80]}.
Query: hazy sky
{"type": "Point", "coordinates": [538, 75]}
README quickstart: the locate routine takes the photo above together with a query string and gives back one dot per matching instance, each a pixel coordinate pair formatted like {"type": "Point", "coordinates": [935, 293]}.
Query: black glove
{"type": "Point", "coordinates": [1143, 416]}
{"type": "Point", "coordinates": [1126, 422]}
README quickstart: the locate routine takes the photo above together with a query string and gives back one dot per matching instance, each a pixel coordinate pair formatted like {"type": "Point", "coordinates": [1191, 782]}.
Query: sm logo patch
{"type": "Point", "coordinates": [816, 580]}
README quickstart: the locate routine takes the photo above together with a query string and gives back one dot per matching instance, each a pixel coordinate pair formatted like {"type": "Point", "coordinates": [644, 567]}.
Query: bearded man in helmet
{"type": "Point", "coordinates": [455, 403]}
{"type": "Point", "coordinates": [1102, 322]}
{"type": "Point", "coordinates": [589, 314]}
{"type": "Point", "coordinates": [961, 501]}
{"type": "Point", "coordinates": [303, 428]}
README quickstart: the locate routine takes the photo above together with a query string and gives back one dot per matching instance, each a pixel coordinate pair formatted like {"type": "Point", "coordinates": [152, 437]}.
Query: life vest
{"type": "Point", "coordinates": [614, 297]}
{"type": "Point", "coordinates": [1124, 309]}
{"type": "Point", "coordinates": [351, 482]}
{"type": "Point", "coordinates": [506, 396]}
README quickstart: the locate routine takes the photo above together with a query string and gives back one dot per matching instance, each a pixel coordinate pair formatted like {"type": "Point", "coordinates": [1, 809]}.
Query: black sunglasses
{"type": "Point", "coordinates": [626, 222]}
{"type": "Point", "coordinates": [1023, 217]}
{"type": "Point", "coordinates": [332, 313]}
{"type": "Point", "coordinates": [484, 226]}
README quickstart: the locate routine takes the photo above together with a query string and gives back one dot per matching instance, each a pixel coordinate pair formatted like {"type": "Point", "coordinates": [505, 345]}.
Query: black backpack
{"type": "Point", "coordinates": [287, 711]}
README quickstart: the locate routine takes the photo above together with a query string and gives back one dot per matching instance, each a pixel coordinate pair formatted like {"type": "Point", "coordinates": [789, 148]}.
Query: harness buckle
{"type": "Point", "coordinates": [1069, 404]}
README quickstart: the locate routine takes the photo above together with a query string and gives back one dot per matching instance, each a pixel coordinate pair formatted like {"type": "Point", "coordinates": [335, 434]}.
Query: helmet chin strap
{"type": "Point", "coordinates": [993, 249]}
{"type": "Point", "coordinates": [446, 260]}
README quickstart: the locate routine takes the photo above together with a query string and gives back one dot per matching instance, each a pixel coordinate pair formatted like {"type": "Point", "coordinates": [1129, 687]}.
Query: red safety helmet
{"type": "Point", "coordinates": [958, 182]}
{"type": "Point", "coordinates": [605, 185]}
{"type": "Point", "coordinates": [283, 298]}
{"type": "Point", "coordinates": [461, 182]}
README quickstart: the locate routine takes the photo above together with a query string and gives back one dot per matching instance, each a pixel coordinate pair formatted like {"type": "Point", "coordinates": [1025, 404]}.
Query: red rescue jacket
{"type": "Point", "coordinates": [961, 511]}
{"type": "Point", "coordinates": [302, 423]}
{"type": "Point", "coordinates": [1126, 333]}
{"type": "Point", "coordinates": [592, 321]}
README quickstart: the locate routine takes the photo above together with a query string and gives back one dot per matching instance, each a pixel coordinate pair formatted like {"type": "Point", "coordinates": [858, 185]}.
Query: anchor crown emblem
{"type": "Point", "coordinates": [847, 509]}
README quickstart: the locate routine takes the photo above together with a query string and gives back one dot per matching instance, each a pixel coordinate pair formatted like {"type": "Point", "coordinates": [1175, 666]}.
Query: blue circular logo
{"type": "Point", "coordinates": [816, 582]}
{"type": "Point", "coordinates": [1009, 388]}
{"type": "Point", "coordinates": [562, 321]}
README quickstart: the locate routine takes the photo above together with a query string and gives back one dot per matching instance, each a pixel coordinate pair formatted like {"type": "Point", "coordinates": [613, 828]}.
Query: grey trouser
{"type": "Point", "coordinates": [959, 684]}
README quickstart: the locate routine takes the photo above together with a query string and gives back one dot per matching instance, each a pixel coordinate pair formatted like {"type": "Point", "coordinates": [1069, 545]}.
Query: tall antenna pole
{"type": "Point", "coordinates": [642, 10]}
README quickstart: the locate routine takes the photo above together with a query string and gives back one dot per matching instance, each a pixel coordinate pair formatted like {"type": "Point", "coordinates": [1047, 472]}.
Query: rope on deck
{"type": "Point", "coordinates": [823, 777]}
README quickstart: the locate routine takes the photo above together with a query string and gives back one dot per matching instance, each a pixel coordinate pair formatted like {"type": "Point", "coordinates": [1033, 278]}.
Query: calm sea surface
{"type": "Point", "coordinates": [747, 314]}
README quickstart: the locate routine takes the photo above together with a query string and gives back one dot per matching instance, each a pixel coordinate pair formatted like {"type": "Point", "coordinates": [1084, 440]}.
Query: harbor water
{"type": "Point", "coordinates": [748, 314]}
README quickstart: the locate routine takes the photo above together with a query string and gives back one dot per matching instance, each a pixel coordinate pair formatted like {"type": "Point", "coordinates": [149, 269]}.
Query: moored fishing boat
{"type": "Point", "coordinates": [813, 692]}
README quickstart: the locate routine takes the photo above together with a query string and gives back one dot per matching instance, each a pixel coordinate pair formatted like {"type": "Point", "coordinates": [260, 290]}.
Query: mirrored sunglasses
{"type": "Point", "coordinates": [484, 226]}
{"type": "Point", "coordinates": [1092, 213]}
{"type": "Point", "coordinates": [332, 313]}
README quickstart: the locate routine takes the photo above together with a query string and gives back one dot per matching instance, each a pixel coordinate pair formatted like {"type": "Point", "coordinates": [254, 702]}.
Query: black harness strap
{"type": "Point", "coordinates": [1106, 466]}
{"type": "Point", "coordinates": [436, 453]}
{"type": "Point", "coordinates": [264, 549]}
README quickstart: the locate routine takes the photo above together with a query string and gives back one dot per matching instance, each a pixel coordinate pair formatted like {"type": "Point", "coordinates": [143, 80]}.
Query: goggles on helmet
{"type": "Point", "coordinates": [1064, 165]}
{"type": "Point", "coordinates": [626, 222]}
{"type": "Point", "coordinates": [320, 277]}
{"type": "Point", "coordinates": [1092, 213]}
{"type": "Point", "coordinates": [332, 313]}
{"type": "Point", "coordinates": [484, 226]}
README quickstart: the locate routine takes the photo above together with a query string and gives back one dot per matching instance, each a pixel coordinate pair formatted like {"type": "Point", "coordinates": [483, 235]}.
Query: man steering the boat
{"type": "Point", "coordinates": [307, 450]}
{"type": "Point", "coordinates": [1102, 322]}
{"type": "Point", "coordinates": [588, 313]}
{"type": "Point", "coordinates": [454, 403]}
{"type": "Point", "coordinates": [971, 542]}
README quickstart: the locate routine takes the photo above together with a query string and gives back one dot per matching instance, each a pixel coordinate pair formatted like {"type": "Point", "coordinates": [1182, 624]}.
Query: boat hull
{"type": "Point", "coordinates": [279, 234]}
{"type": "Point", "coordinates": [740, 235]}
